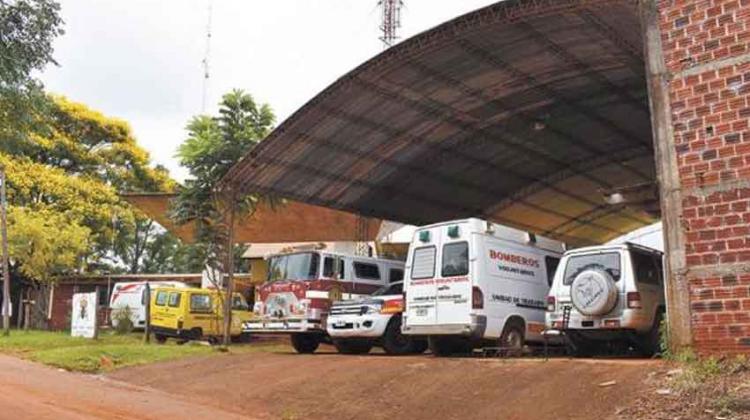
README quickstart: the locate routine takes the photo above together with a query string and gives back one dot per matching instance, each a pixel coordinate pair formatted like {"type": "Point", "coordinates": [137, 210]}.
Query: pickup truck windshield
{"type": "Point", "coordinates": [293, 267]}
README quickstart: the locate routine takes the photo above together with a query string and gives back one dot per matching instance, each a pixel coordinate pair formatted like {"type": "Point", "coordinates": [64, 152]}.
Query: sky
{"type": "Point", "coordinates": [141, 60]}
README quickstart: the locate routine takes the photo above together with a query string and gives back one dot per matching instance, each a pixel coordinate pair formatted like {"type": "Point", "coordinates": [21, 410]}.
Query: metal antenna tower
{"type": "Point", "coordinates": [390, 21]}
{"type": "Point", "coordinates": [206, 57]}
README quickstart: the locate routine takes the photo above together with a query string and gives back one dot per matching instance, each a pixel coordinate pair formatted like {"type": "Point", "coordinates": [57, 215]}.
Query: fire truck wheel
{"type": "Point", "coordinates": [394, 342]}
{"type": "Point", "coordinates": [161, 339]}
{"type": "Point", "coordinates": [305, 343]}
{"type": "Point", "coordinates": [353, 346]}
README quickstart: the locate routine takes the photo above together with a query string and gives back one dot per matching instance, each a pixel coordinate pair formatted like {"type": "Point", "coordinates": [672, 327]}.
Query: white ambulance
{"type": "Point", "coordinates": [470, 282]}
{"type": "Point", "coordinates": [131, 297]}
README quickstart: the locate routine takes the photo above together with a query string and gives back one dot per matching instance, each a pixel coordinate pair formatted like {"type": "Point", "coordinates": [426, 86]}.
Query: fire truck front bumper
{"type": "Point", "coordinates": [287, 325]}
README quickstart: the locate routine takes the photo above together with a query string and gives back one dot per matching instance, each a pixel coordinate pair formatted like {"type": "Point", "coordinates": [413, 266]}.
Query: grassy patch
{"type": "Point", "coordinates": [109, 351]}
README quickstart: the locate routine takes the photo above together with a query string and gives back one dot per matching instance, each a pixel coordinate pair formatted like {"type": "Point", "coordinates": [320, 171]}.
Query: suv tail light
{"type": "Point", "coordinates": [477, 298]}
{"type": "Point", "coordinates": [550, 304]}
{"type": "Point", "coordinates": [634, 300]}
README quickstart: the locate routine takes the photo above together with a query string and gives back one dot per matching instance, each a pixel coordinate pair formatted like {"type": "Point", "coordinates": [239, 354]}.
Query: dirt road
{"type": "Point", "coordinates": [32, 391]}
{"type": "Point", "coordinates": [325, 386]}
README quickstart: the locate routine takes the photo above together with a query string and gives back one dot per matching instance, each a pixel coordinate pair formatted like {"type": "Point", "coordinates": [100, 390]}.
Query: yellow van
{"type": "Point", "coordinates": [195, 314]}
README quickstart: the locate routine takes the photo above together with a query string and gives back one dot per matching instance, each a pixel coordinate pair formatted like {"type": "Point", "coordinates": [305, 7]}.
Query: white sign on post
{"type": "Point", "coordinates": [83, 315]}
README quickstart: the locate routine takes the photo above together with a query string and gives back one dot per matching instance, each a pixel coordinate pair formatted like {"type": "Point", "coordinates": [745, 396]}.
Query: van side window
{"type": "Point", "coordinates": [551, 263]}
{"type": "Point", "coordinates": [174, 299]}
{"type": "Point", "coordinates": [646, 269]}
{"type": "Point", "coordinates": [366, 271]}
{"type": "Point", "coordinates": [328, 268]}
{"type": "Point", "coordinates": [161, 298]}
{"type": "Point", "coordinates": [423, 263]}
{"type": "Point", "coordinates": [200, 303]}
{"type": "Point", "coordinates": [396, 274]}
{"type": "Point", "coordinates": [455, 259]}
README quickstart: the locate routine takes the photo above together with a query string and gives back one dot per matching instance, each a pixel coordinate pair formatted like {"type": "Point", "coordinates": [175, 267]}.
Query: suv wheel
{"type": "Point", "coordinates": [305, 343]}
{"type": "Point", "coordinates": [352, 346]}
{"type": "Point", "coordinates": [649, 343]}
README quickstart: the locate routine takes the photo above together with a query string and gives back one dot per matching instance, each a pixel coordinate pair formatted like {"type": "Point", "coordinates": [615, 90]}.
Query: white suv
{"type": "Point", "coordinates": [608, 294]}
{"type": "Point", "coordinates": [355, 326]}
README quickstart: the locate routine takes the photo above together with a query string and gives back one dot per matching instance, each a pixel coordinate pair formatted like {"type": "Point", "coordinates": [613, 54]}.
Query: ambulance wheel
{"type": "Point", "coordinates": [512, 336]}
{"type": "Point", "coordinates": [394, 342]}
{"type": "Point", "coordinates": [352, 346]}
{"type": "Point", "coordinates": [305, 343]}
{"type": "Point", "coordinates": [160, 338]}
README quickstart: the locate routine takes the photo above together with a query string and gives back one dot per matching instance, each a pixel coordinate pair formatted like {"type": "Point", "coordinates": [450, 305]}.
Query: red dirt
{"type": "Point", "coordinates": [324, 386]}
{"type": "Point", "coordinates": [32, 391]}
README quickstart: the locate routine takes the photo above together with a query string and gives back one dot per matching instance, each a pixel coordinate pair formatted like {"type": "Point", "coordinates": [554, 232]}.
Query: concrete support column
{"type": "Point", "coordinates": [699, 82]}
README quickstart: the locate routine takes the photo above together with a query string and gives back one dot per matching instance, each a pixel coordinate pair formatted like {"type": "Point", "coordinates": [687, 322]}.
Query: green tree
{"type": "Point", "coordinates": [213, 146]}
{"type": "Point", "coordinates": [27, 30]}
{"type": "Point", "coordinates": [74, 164]}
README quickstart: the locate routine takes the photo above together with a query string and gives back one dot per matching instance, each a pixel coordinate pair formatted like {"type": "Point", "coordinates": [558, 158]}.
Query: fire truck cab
{"type": "Point", "coordinates": [301, 286]}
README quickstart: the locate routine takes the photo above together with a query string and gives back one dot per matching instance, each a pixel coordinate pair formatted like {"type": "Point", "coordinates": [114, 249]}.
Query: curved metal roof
{"type": "Point", "coordinates": [526, 112]}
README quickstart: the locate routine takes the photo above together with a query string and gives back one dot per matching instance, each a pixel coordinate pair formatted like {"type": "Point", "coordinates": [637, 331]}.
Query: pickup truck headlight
{"type": "Point", "coordinates": [372, 308]}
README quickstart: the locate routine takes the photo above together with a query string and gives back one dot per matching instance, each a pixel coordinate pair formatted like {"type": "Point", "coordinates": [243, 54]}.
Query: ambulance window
{"type": "Point", "coordinates": [366, 271]}
{"type": "Point", "coordinates": [551, 263]}
{"type": "Point", "coordinates": [174, 300]}
{"type": "Point", "coordinates": [200, 303]}
{"type": "Point", "coordinates": [396, 274]}
{"type": "Point", "coordinates": [455, 259]}
{"type": "Point", "coordinates": [328, 268]}
{"type": "Point", "coordinates": [161, 298]}
{"type": "Point", "coordinates": [423, 264]}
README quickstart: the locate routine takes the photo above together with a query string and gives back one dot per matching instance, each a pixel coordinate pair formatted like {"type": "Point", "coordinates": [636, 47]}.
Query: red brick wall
{"type": "Point", "coordinates": [706, 47]}
{"type": "Point", "coordinates": [61, 305]}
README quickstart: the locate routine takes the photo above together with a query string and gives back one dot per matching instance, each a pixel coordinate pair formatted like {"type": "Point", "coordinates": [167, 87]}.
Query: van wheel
{"type": "Point", "coordinates": [352, 346]}
{"type": "Point", "coordinates": [394, 342]}
{"type": "Point", "coordinates": [160, 338]}
{"type": "Point", "coordinates": [305, 343]}
{"type": "Point", "coordinates": [513, 337]}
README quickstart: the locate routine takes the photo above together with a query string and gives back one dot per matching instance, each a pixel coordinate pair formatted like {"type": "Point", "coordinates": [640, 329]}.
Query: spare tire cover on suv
{"type": "Point", "coordinates": [593, 292]}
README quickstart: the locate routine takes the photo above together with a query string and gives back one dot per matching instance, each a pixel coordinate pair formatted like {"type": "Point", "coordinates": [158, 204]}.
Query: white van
{"type": "Point", "coordinates": [469, 282]}
{"type": "Point", "coordinates": [132, 295]}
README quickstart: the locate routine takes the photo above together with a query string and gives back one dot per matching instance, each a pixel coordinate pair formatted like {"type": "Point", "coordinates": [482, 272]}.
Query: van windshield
{"type": "Point", "coordinates": [293, 267]}
{"type": "Point", "coordinates": [609, 262]}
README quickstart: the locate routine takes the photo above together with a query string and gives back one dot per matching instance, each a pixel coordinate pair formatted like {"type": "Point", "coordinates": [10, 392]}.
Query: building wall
{"type": "Point", "coordinates": [706, 50]}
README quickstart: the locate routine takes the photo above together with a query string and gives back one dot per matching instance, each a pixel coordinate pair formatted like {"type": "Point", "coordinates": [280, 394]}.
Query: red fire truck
{"type": "Point", "coordinates": [301, 286]}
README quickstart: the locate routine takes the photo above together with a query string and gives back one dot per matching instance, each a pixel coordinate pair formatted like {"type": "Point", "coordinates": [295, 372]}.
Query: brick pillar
{"type": "Point", "coordinates": [703, 128]}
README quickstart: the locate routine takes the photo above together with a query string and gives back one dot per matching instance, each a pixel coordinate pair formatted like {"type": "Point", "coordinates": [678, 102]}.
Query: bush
{"type": "Point", "coordinates": [123, 322]}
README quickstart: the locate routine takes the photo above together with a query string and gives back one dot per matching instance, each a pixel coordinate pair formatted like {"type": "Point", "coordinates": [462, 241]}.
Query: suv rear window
{"type": "Point", "coordinates": [609, 262]}
{"type": "Point", "coordinates": [455, 259]}
{"type": "Point", "coordinates": [647, 268]}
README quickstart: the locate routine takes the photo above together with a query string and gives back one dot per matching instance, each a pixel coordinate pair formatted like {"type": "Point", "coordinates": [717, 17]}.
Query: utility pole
{"type": "Point", "coordinates": [5, 267]}
{"type": "Point", "coordinates": [229, 267]}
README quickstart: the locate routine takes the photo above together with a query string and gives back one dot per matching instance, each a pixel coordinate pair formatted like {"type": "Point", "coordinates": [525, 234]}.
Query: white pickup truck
{"type": "Point", "coordinates": [355, 326]}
